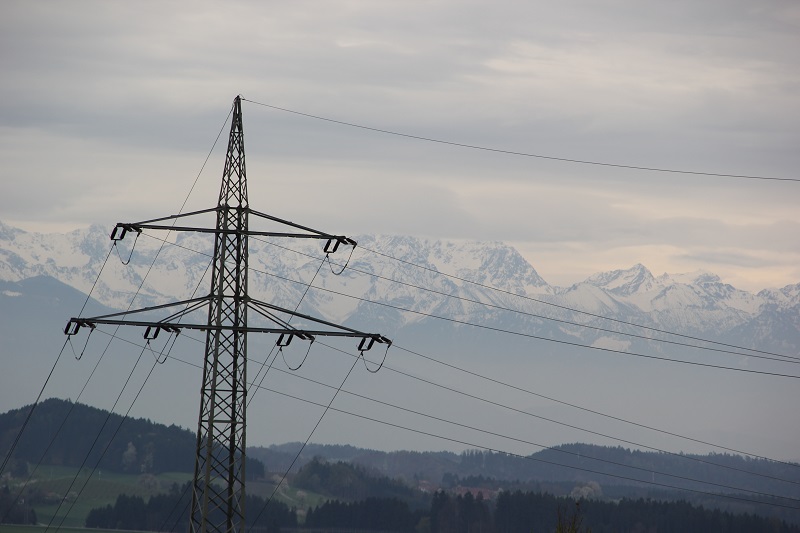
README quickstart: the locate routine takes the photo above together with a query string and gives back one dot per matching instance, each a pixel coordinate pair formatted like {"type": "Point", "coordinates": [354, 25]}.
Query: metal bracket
{"type": "Point", "coordinates": [286, 338]}
{"type": "Point", "coordinates": [73, 326]}
{"type": "Point", "coordinates": [363, 346]}
{"type": "Point", "coordinates": [125, 228]}
{"type": "Point", "coordinates": [152, 331]}
{"type": "Point", "coordinates": [328, 249]}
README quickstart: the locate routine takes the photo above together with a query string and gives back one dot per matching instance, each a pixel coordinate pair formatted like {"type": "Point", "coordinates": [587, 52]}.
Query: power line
{"type": "Point", "coordinates": [525, 154]}
{"type": "Point", "coordinates": [112, 336]}
{"type": "Point", "coordinates": [527, 413]}
{"type": "Point", "coordinates": [773, 357]}
{"type": "Point", "coordinates": [575, 406]}
{"type": "Point", "coordinates": [521, 389]}
{"type": "Point", "coordinates": [305, 292]}
{"type": "Point", "coordinates": [537, 337]}
{"type": "Point", "coordinates": [339, 389]}
{"type": "Point", "coordinates": [557, 341]}
{"type": "Point", "coordinates": [303, 447]}
{"type": "Point", "coordinates": [50, 374]}
{"type": "Point", "coordinates": [495, 450]}
{"type": "Point", "coordinates": [94, 442]}
{"type": "Point", "coordinates": [32, 409]}
{"type": "Point", "coordinates": [183, 205]}
{"type": "Point", "coordinates": [566, 308]}
{"type": "Point", "coordinates": [522, 412]}
{"type": "Point", "coordinates": [108, 445]}
{"type": "Point", "coordinates": [54, 437]}
{"type": "Point", "coordinates": [654, 169]}
{"type": "Point", "coordinates": [542, 446]}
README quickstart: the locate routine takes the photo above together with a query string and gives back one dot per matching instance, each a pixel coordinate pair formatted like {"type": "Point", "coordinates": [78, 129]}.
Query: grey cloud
{"type": "Point", "coordinates": [107, 111]}
{"type": "Point", "coordinates": [729, 258]}
{"type": "Point", "coordinates": [709, 87]}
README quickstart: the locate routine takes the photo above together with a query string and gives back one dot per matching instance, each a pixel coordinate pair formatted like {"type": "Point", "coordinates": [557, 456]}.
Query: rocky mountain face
{"type": "Point", "coordinates": [400, 283]}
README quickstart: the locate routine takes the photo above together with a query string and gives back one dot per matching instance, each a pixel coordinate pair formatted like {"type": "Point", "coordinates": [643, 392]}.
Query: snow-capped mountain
{"type": "Point", "coordinates": [484, 281]}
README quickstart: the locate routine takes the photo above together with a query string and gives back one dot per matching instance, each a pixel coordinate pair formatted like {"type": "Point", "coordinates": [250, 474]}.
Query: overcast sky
{"type": "Point", "coordinates": [108, 110]}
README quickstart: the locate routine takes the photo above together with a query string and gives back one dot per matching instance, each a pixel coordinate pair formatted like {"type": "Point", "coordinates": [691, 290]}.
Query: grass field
{"type": "Point", "coordinates": [291, 496]}
{"type": "Point", "coordinates": [101, 490]}
{"type": "Point", "coordinates": [104, 487]}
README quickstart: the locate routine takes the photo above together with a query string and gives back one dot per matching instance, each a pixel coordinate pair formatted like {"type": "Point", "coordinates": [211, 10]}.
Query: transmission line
{"type": "Point", "coordinates": [94, 442]}
{"type": "Point", "coordinates": [50, 374]}
{"type": "Point", "coordinates": [32, 409]}
{"type": "Point", "coordinates": [526, 413]}
{"type": "Point", "coordinates": [776, 357]}
{"type": "Point", "coordinates": [539, 337]}
{"type": "Point", "coordinates": [527, 391]}
{"type": "Point", "coordinates": [88, 296]}
{"type": "Point", "coordinates": [567, 308]}
{"type": "Point", "coordinates": [586, 409]}
{"type": "Point", "coordinates": [525, 154]}
{"type": "Point", "coordinates": [53, 438]}
{"type": "Point", "coordinates": [300, 301]}
{"type": "Point", "coordinates": [339, 389]}
{"type": "Point", "coordinates": [560, 341]}
{"type": "Point", "coordinates": [303, 447]}
{"type": "Point", "coordinates": [157, 361]}
{"type": "Point", "coordinates": [542, 446]}
{"type": "Point", "coordinates": [527, 457]}
{"type": "Point", "coordinates": [108, 445]}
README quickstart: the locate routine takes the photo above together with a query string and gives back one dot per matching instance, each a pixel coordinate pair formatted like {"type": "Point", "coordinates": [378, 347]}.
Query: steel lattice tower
{"type": "Point", "coordinates": [219, 472]}
{"type": "Point", "coordinates": [218, 489]}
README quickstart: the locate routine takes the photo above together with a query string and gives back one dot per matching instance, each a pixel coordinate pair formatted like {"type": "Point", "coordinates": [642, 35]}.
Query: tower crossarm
{"type": "Point", "coordinates": [218, 488]}
{"type": "Point", "coordinates": [174, 322]}
{"type": "Point", "coordinates": [254, 304]}
{"type": "Point", "coordinates": [123, 228]}
{"type": "Point", "coordinates": [191, 305]}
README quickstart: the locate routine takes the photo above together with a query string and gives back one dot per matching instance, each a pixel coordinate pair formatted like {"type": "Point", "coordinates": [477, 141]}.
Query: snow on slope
{"type": "Point", "coordinates": [281, 269]}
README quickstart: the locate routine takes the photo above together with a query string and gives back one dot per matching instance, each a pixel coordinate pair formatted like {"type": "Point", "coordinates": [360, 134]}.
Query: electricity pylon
{"type": "Point", "coordinates": [218, 495]}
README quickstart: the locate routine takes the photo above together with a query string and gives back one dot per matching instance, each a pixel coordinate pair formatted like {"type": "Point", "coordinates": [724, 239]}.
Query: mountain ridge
{"type": "Point", "coordinates": [170, 448]}
{"type": "Point", "coordinates": [696, 304]}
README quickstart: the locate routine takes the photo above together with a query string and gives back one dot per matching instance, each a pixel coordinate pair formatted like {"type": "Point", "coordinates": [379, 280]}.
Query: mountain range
{"type": "Point", "coordinates": [566, 351]}
{"type": "Point", "coordinates": [476, 282]}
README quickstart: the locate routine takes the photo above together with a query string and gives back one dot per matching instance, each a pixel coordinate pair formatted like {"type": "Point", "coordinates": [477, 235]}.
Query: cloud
{"type": "Point", "coordinates": [729, 258]}
{"type": "Point", "coordinates": [110, 108]}
{"type": "Point", "coordinates": [108, 111]}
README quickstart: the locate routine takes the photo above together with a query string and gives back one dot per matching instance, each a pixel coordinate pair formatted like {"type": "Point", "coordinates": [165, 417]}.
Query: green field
{"type": "Point", "coordinates": [101, 490]}
{"type": "Point", "coordinates": [104, 487]}
{"type": "Point", "coordinates": [291, 496]}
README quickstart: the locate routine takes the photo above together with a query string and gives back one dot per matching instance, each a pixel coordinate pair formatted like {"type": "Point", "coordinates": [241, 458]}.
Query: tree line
{"type": "Point", "coordinates": [62, 433]}
{"type": "Point", "coordinates": [170, 512]}
{"type": "Point", "coordinates": [511, 512]}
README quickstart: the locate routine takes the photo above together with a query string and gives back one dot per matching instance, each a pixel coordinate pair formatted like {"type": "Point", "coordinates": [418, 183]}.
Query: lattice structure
{"type": "Point", "coordinates": [218, 496]}
{"type": "Point", "coordinates": [218, 490]}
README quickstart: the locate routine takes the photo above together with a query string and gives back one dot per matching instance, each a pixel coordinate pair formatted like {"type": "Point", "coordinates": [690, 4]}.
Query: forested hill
{"type": "Point", "coordinates": [569, 463]}
{"type": "Point", "coordinates": [143, 446]}
{"type": "Point", "coordinates": [139, 445]}
{"type": "Point", "coordinates": [64, 433]}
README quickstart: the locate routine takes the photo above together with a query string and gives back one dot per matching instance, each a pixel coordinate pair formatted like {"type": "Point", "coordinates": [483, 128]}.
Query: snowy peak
{"type": "Point", "coordinates": [396, 281]}
{"type": "Point", "coordinates": [9, 233]}
{"type": "Point", "coordinates": [488, 263]}
{"type": "Point", "coordinates": [624, 282]}
{"type": "Point", "coordinates": [788, 296]}
{"type": "Point", "coordinates": [683, 294]}
{"type": "Point", "coordinates": [689, 278]}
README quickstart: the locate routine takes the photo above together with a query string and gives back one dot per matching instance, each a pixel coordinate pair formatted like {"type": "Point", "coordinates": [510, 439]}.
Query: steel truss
{"type": "Point", "coordinates": [218, 495]}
